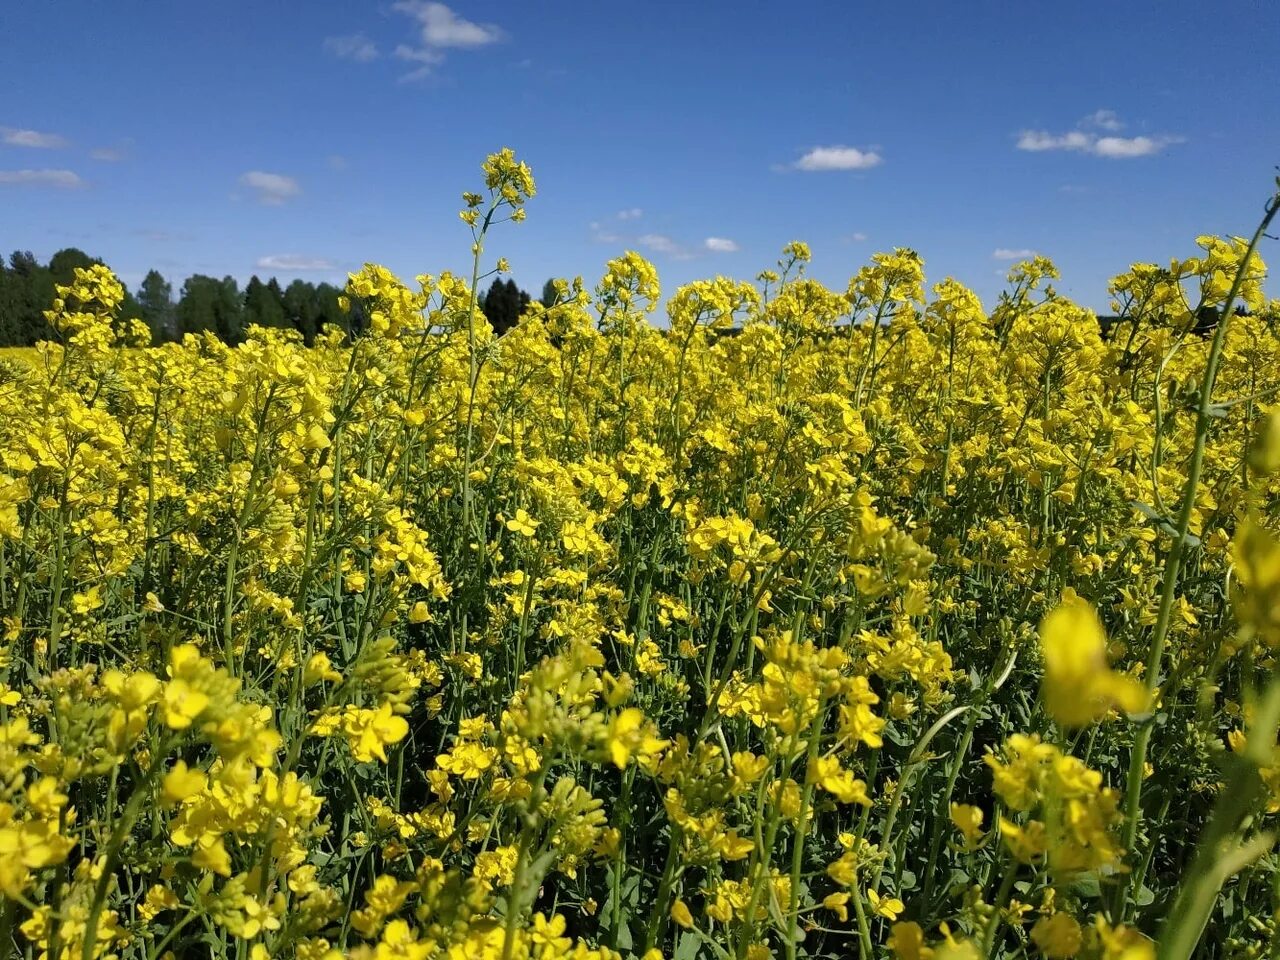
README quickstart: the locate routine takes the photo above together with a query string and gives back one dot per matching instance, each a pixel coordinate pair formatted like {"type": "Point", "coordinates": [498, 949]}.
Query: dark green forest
{"type": "Point", "coordinates": [203, 303]}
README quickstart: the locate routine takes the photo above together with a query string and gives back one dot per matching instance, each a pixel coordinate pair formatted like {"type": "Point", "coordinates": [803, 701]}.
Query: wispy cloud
{"type": "Point", "coordinates": [59, 179]}
{"type": "Point", "coordinates": [440, 29]}
{"type": "Point", "coordinates": [62, 179]}
{"type": "Point", "coordinates": [14, 137]}
{"type": "Point", "coordinates": [161, 236]}
{"type": "Point", "coordinates": [295, 263]}
{"type": "Point", "coordinates": [634, 213]}
{"type": "Point", "coordinates": [114, 154]}
{"type": "Point", "coordinates": [720, 245]}
{"type": "Point", "coordinates": [660, 243]}
{"type": "Point", "coordinates": [355, 46]}
{"type": "Point", "coordinates": [272, 189]}
{"type": "Point", "coordinates": [856, 237]}
{"type": "Point", "coordinates": [1085, 139]}
{"type": "Point", "coordinates": [838, 158]}
{"type": "Point", "coordinates": [1122, 147]}
{"type": "Point", "coordinates": [1007, 253]}
{"type": "Point", "coordinates": [1036, 140]}
{"type": "Point", "coordinates": [337, 162]}
{"type": "Point", "coordinates": [1103, 120]}
{"type": "Point", "coordinates": [601, 235]}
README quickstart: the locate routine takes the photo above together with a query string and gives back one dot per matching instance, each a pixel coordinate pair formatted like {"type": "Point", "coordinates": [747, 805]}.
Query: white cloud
{"type": "Point", "coordinates": [61, 179]}
{"type": "Point", "coordinates": [635, 213]}
{"type": "Point", "coordinates": [600, 235]}
{"type": "Point", "coordinates": [1004, 253]}
{"type": "Point", "coordinates": [858, 237]}
{"type": "Point", "coordinates": [1036, 140]}
{"type": "Point", "coordinates": [720, 245]}
{"type": "Point", "coordinates": [440, 29]}
{"type": "Point", "coordinates": [428, 58]}
{"type": "Point", "coordinates": [355, 47]}
{"type": "Point", "coordinates": [14, 137]}
{"type": "Point", "coordinates": [1087, 141]}
{"type": "Point", "coordinates": [112, 154]}
{"type": "Point", "coordinates": [1131, 146]}
{"type": "Point", "coordinates": [294, 263]}
{"type": "Point", "coordinates": [659, 243]}
{"type": "Point", "coordinates": [337, 162]}
{"type": "Point", "coordinates": [838, 158]}
{"type": "Point", "coordinates": [272, 189]}
{"type": "Point", "coordinates": [1104, 120]}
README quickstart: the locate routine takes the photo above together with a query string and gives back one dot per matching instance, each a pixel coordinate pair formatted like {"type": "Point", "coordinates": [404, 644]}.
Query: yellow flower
{"type": "Point", "coordinates": [838, 903]}
{"type": "Point", "coordinates": [1079, 687]}
{"type": "Point", "coordinates": [180, 783]}
{"type": "Point", "coordinates": [887, 907]}
{"type": "Point", "coordinates": [182, 704]}
{"type": "Point", "coordinates": [370, 732]}
{"type": "Point", "coordinates": [320, 669]}
{"type": "Point", "coordinates": [85, 603]}
{"type": "Point", "coordinates": [681, 914]}
{"type": "Point", "coordinates": [839, 782]}
{"type": "Point", "coordinates": [906, 940]}
{"type": "Point", "coordinates": [1058, 935]}
{"type": "Point", "coordinates": [1123, 943]}
{"type": "Point", "coordinates": [523, 524]}
{"type": "Point", "coordinates": [968, 820]}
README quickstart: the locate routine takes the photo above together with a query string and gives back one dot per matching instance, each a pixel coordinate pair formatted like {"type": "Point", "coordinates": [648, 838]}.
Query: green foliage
{"type": "Point", "coordinates": [504, 304]}
{"type": "Point", "coordinates": [204, 304]}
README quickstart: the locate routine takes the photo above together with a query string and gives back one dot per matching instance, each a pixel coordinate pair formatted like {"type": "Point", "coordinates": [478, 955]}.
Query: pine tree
{"type": "Point", "coordinates": [155, 300]}
{"type": "Point", "coordinates": [262, 304]}
{"type": "Point", "coordinates": [548, 297]}
{"type": "Point", "coordinates": [197, 311]}
{"type": "Point", "coordinates": [301, 309]}
{"type": "Point", "coordinates": [229, 311]}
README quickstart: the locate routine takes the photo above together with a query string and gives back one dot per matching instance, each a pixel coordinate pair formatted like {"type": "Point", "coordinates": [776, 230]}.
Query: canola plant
{"type": "Point", "coordinates": [887, 626]}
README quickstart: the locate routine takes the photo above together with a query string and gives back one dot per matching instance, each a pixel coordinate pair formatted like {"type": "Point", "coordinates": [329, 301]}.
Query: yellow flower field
{"type": "Point", "coordinates": [802, 623]}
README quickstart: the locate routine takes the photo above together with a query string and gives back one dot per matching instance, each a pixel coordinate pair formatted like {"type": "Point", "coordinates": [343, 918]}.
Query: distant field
{"type": "Point", "coordinates": [27, 355]}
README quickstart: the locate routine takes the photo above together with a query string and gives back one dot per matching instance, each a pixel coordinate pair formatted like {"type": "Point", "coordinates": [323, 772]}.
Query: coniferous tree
{"type": "Point", "coordinates": [197, 310]}
{"type": "Point", "coordinates": [301, 308]}
{"type": "Point", "coordinates": [30, 293]}
{"type": "Point", "coordinates": [155, 300]}
{"type": "Point", "coordinates": [263, 304]}
{"type": "Point", "coordinates": [504, 304]}
{"type": "Point", "coordinates": [229, 311]}
{"type": "Point", "coordinates": [64, 263]}
{"type": "Point", "coordinates": [328, 311]}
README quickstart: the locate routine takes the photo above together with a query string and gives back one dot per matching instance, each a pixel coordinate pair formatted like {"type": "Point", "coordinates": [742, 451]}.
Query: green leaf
{"type": "Point", "coordinates": [686, 947]}
{"type": "Point", "coordinates": [1086, 885]}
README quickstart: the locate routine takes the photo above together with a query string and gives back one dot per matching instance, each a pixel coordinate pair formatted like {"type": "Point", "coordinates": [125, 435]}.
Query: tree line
{"type": "Point", "coordinates": [205, 303]}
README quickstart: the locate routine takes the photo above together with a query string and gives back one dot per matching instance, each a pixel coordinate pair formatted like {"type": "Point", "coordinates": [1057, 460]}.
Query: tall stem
{"type": "Point", "coordinates": [1173, 564]}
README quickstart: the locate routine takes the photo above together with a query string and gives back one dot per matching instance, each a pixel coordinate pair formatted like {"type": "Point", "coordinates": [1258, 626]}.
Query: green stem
{"type": "Point", "coordinates": [802, 832]}
{"type": "Point", "coordinates": [1221, 853]}
{"type": "Point", "coordinates": [1173, 563]}
{"type": "Point", "coordinates": [1002, 898]}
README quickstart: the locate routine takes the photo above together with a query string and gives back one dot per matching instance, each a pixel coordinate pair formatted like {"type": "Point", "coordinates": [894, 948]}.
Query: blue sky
{"type": "Point", "coordinates": [302, 139]}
